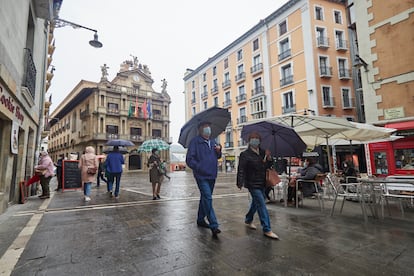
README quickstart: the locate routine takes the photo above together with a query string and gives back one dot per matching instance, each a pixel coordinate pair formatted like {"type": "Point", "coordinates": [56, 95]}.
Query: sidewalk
{"type": "Point", "coordinates": [139, 236]}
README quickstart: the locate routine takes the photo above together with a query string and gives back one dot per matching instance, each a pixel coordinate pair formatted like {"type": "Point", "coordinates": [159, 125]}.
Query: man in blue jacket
{"type": "Point", "coordinates": [202, 156]}
{"type": "Point", "coordinates": [113, 163]}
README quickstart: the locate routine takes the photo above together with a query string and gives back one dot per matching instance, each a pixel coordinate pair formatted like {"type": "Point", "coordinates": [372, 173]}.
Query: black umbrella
{"type": "Point", "coordinates": [218, 117]}
{"type": "Point", "coordinates": [281, 140]}
{"type": "Point", "coordinates": [111, 148]}
{"type": "Point", "coordinates": [120, 142]}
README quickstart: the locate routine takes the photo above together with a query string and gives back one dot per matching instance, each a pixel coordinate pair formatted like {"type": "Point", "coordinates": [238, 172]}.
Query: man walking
{"type": "Point", "coordinates": [202, 156]}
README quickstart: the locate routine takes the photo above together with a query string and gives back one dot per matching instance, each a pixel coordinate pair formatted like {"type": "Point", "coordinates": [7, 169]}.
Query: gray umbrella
{"type": "Point", "coordinates": [218, 117]}
{"type": "Point", "coordinates": [120, 142]}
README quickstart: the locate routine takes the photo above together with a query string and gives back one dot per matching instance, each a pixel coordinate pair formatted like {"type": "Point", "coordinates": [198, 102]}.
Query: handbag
{"type": "Point", "coordinates": [92, 170]}
{"type": "Point", "coordinates": [272, 178]}
{"type": "Point", "coordinates": [40, 171]}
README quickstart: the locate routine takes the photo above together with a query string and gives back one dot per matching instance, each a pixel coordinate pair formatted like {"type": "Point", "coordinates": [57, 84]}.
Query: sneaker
{"type": "Point", "coordinates": [87, 198]}
{"type": "Point", "coordinates": [215, 232]}
{"type": "Point", "coordinates": [44, 196]}
{"type": "Point", "coordinates": [158, 197]}
{"type": "Point", "coordinates": [117, 197]}
{"type": "Point", "coordinates": [251, 225]}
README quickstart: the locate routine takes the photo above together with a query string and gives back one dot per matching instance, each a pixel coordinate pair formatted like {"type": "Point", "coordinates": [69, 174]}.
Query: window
{"type": "Point", "coordinates": [321, 37]}
{"type": "Point", "coordinates": [204, 77]}
{"type": "Point", "coordinates": [240, 69]}
{"type": "Point", "coordinates": [227, 76]}
{"type": "Point", "coordinates": [193, 97]}
{"type": "Point", "coordinates": [205, 104]}
{"type": "Point", "coordinates": [214, 70]}
{"type": "Point", "coordinates": [323, 66]}
{"type": "Point", "coordinates": [192, 84]}
{"type": "Point", "coordinates": [113, 108]}
{"type": "Point", "coordinates": [284, 49]}
{"type": "Point", "coordinates": [135, 131]}
{"type": "Point", "coordinates": [288, 102]}
{"type": "Point", "coordinates": [256, 44]}
{"type": "Point", "coordinates": [242, 117]}
{"type": "Point", "coordinates": [204, 89]}
{"type": "Point", "coordinates": [215, 101]}
{"type": "Point", "coordinates": [193, 110]}
{"type": "Point", "coordinates": [326, 96]}
{"type": "Point", "coordinates": [340, 42]}
{"type": "Point", "coordinates": [239, 55]}
{"type": "Point", "coordinates": [318, 13]}
{"type": "Point", "coordinates": [226, 63]}
{"type": "Point", "coordinates": [156, 133]}
{"type": "Point", "coordinates": [282, 28]}
{"type": "Point", "coordinates": [256, 60]}
{"type": "Point", "coordinates": [342, 68]}
{"type": "Point", "coordinates": [346, 98]}
{"type": "Point", "coordinates": [215, 85]}
{"type": "Point", "coordinates": [227, 99]}
{"type": "Point", "coordinates": [257, 107]}
{"type": "Point", "coordinates": [242, 90]}
{"type": "Point", "coordinates": [286, 75]}
{"type": "Point", "coordinates": [338, 17]}
{"type": "Point", "coordinates": [404, 158]}
{"type": "Point", "coordinates": [111, 129]}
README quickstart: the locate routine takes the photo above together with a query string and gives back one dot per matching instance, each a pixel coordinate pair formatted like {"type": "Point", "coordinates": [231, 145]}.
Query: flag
{"type": "Point", "coordinates": [144, 109]}
{"type": "Point", "coordinates": [149, 109]}
{"type": "Point", "coordinates": [130, 110]}
{"type": "Point", "coordinates": [136, 107]}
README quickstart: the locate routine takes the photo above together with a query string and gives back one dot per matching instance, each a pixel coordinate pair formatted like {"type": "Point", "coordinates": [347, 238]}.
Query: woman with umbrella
{"type": "Point", "coordinates": [155, 175]}
{"type": "Point", "coordinates": [251, 173]}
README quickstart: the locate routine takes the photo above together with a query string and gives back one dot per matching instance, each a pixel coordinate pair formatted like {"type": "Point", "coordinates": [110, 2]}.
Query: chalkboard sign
{"type": "Point", "coordinates": [71, 175]}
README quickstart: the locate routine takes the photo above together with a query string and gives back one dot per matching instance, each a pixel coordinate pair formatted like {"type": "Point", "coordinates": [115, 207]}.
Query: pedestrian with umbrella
{"type": "Point", "coordinates": [155, 174]}
{"type": "Point", "coordinates": [251, 174]}
{"type": "Point", "coordinates": [113, 163]}
{"type": "Point", "coordinates": [202, 157]}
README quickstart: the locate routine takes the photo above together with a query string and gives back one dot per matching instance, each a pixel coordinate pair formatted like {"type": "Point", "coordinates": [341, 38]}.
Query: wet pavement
{"type": "Point", "coordinates": [136, 235]}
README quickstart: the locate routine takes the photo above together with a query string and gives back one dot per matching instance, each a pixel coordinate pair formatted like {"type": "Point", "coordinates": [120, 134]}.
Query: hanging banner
{"type": "Point", "coordinates": [14, 143]}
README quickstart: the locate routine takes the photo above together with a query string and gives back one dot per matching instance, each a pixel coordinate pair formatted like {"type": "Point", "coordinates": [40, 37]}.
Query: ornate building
{"type": "Point", "coordinates": [125, 108]}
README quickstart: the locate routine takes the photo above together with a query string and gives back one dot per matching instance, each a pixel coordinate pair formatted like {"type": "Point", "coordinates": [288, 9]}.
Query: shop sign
{"type": "Point", "coordinates": [394, 113]}
{"type": "Point", "coordinates": [230, 158]}
{"type": "Point", "coordinates": [8, 102]}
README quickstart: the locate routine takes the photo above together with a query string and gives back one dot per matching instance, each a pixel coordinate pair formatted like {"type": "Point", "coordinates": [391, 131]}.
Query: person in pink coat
{"type": "Point", "coordinates": [46, 164]}
{"type": "Point", "coordinates": [88, 160]}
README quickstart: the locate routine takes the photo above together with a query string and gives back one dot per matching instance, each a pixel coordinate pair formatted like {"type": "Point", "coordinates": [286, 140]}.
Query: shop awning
{"type": "Point", "coordinates": [401, 125]}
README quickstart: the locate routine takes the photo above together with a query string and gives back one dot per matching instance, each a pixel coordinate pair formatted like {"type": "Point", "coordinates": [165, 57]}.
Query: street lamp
{"type": "Point", "coordinates": [58, 23]}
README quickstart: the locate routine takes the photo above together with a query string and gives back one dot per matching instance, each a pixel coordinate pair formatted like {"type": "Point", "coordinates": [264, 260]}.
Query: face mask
{"type": "Point", "coordinates": [206, 131]}
{"type": "Point", "coordinates": [254, 142]}
{"type": "Point", "coordinates": [157, 152]}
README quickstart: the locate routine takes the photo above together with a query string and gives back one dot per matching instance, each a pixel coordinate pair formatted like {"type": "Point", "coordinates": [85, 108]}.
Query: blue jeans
{"type": "Point", "coordinates": [258, 204]}
{"type": "Point", "coordinates": [205, 207]}
{"type": "Point", "coordinates": [87, 188]}
{"type": "Point", "coordinates": [111, 177]}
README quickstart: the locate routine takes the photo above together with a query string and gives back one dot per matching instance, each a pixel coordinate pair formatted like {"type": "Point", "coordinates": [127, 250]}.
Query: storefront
{"type": "Point", "coordinates": [394, 157]}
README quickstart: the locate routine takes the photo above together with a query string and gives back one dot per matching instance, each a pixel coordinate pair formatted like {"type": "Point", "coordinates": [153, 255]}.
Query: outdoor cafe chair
{"type": "Point", "coordinates": [397, 187]}
{"type": "Point", "coordinates": [347, 191]}
{"type": "Point", "coordinates": [320, 177]}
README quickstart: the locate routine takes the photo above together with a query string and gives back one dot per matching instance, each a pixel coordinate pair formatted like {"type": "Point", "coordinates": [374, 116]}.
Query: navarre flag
{"type": "Point", "coordinates": [130, 110]}
{"type": "Point", "coordinates": [144, 109]}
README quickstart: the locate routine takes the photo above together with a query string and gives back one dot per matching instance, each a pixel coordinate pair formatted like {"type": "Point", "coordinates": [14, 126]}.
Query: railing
{"type": "Point", "coordinates": [113, 111]}
{"type": "Point", "coordinates": [204, 95]}
{"type": "Point", "coordinates": [344, 73]}
{"type": "Point", "coordinates": [214, 90]}
{"type": "Point", "coordinates": [326, 71]}
{"type": "Point", "coordinates": [136, 138]}
{"type": "Point", "coordinates": [228, 144]}
{"type": "Point", "coordinates": [322, 42]}
{"type": "Point", "coordinates": [284, 54]}
{"type": "Point", "coordinates": [240, 77]}
{"type": "Point", "coordinates": [289, 109]}
{"type": "Point", "coordinates": [227, 103]}
{"type": "Point", "coordinates": [242, 119]}
{"type": "Point", "coordinates": [286, 80]}
{"type": "Point", "coordinates": [341, 44]}
{"type": "Point", "coordinates": [29, 80]}
{"type": "Point", "coordinates": [241, 98]}
{"type": "Point", "coordinates": [348, 103]}
{"type": "Point", "coordinates": [226, 83]}
{"type": "Point", "coordinates": [257, 90]}
{"type": "Point", "coordinates": [328, 102]}
{"type": "Point", "coordinates": [84, 114]}
{"type": "Point", "coordinates": [257, 68]}
{"type": "Point", "coordinates": [111, 136]}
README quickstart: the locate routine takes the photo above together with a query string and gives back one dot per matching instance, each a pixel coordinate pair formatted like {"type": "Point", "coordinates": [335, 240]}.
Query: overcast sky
{"type": "Point", "coordinates": [168, 36]}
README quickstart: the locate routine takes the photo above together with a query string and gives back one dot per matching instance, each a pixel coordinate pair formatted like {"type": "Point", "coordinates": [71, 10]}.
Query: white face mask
{"type": "Point", "coordinates": [254, 142]}
{"type": "Point", "coordinates": [207, 131]}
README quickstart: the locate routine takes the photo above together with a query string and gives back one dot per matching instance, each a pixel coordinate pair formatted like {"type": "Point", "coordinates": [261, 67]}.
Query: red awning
{"type": "Point", "coordinates": [401, 125]}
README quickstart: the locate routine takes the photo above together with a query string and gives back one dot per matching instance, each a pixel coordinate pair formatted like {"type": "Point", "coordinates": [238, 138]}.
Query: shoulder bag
{"type": "Point", "coordinates": [272, 178]}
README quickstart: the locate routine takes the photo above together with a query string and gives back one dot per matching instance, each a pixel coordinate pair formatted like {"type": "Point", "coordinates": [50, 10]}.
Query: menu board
{"type": "Point", "coordinates": [71, 175]}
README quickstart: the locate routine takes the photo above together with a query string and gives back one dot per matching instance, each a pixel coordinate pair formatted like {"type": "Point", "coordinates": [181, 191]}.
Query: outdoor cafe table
{"type": "Point", "coordinates": [372, 190]}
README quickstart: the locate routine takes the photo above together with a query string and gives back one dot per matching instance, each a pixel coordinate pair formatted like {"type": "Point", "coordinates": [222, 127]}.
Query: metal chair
{"type": "Point", "coordinates": [397, 187]}
{"type": "Point", "coordinates": [318, 194]}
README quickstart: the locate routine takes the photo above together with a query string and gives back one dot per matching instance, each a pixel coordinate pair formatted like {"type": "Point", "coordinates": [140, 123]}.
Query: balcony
{"type": "Point", "coordinates": [84, 114]}
{"type": "Point", "coordinates": [136, 138]}
{"type": "Point", "coordinates": [328, 102]}
{"type": "Point", "coordinates": [240, 77]}
{"type": "Point", "coordinates": [29, 79]}
{"type": "Point", "coordinates": [341, 45]}
{"type": "Point", "coordinates": [111, 136]}
{"type": "Point", "coordinates": [226, 84]}
{"type": "Point", "coordinates": [286, 80]}
{"type": "Point", "coordinates": [242, 119]}
{"type": "Point", "coordinates": [193, 101]}
{"type": "Point", "coordinates": [112, 111]}
{"type": "Point", "coordinates": [242, 143]}
{"type": "Point", "coordinates": [259, 90]}
{"type": "Point", "coordinates": [227, 103]}
{"type": "Point", "coordinates": [322, 42]}
{"type": "Point", "coordinates": [256, 69]}
{"type": "Point", "coordinates": [348, 103]}
{"type": "Point", "coordinates": [325, 72]}
{"type": "Point", "coordinates": [344, 74]}
{"type": "Point", "coordinates": [284, 54]}
{"type": "Point", "coordinates": [241, 98]}
{"type": "Point", "coordinates": [204, 95]}
{"type": "Point", "coordinates": [289, 109]}
{"type": "Point", "coordinates": [214, 91]}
